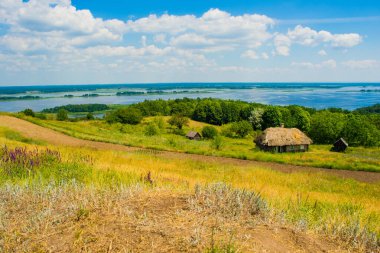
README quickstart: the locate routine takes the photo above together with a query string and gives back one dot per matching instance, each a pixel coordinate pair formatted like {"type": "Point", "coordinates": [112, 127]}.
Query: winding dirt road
{"type": "Point", "coordinates": [33, 131]}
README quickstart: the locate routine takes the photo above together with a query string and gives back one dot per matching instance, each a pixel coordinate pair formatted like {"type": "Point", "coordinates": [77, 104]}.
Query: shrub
{"type": "Point", "coordinates": [62, 115]}
{"type": "Point", "coordinates": [130, 116]}
{"type": "Point", "coordinates": [238, 129]}
{"type": "Point", "coordinates": [41, 116]}
{"type": "Point", "coordinates": [90, 116]}
{"type": "Point", "coordinates": [160, 122]}
{"type": "Point", "coordinates": [178, 121]}
{"type": "Point", "coordinates": [209, 132]}
{"type": "Point", "coordinates": [217, 143]}
{"type": "Point", "coordinates": [29, 112]}
{"type": "Point", "coordinates": [151, 129]}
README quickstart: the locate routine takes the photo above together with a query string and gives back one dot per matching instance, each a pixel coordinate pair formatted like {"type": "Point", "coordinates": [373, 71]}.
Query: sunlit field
{"type": "Point", "coordinates": [355, 158]}
{"type": "Point", "coordinates": [342, 209]}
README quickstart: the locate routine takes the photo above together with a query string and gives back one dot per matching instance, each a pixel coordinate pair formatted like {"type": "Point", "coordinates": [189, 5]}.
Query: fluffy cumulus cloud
{"type": "Point", "coordinates": [362, 64]}
{"type": "Point", "coordinates": [53, 35]}
{"type": "Point", "coordinates": [329, 64]}
{"type": "Point", "coordinates": [306, 36]}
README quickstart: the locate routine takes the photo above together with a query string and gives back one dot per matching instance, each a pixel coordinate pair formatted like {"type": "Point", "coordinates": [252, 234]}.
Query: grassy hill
{"type": "Point", "coordinates": [356, 158]}
{"type": "Point", "coordinates": [77, 198]}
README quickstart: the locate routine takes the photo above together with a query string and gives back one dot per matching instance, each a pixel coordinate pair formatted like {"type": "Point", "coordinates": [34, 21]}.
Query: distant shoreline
{"type": "Point", "coordinates": [348, 96]}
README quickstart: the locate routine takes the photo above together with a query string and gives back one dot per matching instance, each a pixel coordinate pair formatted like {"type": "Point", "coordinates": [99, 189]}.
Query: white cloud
{"type": "Point", "coordinates": [361, 64]}
{"type": "Point", "coordinates": [329, 64]}
{"type": "Point", "coordinates": [306, 36]}
{"type": "Point", "coordinates": [282, 44]}
{"type": "Point", "coordinates": [191, 41]}
{"type": "Point", "coordinates": [309, 37]}
{"type": "Point", "coordinates": [143, 41]}
{"type": "Point", "coordinates": [160, 38]}
{"type": "Point", "coordinates": [215, 28]}
{"type": "Point", "coordinates": [265, 56]}
{"type": "Point", "coordinates": [53, 35]}
{"type": "Point", "coordinates": [322, 52]}
{"type": "Point", "coordinates": [108, 51]}
{"type": "Point", "coordinates": [250, 54]}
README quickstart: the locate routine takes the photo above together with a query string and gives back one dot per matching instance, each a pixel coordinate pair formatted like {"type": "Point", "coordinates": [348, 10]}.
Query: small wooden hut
{"type": "Point", "coordinates": [279, 140]}
{"type": "Point", "coordinates": [192, 135]}
{"type": "Point", "coordinates": [340, 145]}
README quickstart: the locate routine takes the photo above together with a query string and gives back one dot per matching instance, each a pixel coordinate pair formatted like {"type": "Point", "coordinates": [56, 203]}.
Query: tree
{"type": "Point", "coordinates": [256, 118]}
{"type": "Point", "coordinates": [271, 117]}
{"type": "Point", "coordinates": [239, 129]}
{"type": "Point", "coordinates": [184, 108]}
{"type": "Point", "coordinates": [62, 115]}
{"type": "Point", "coordinates": [230, 111]}
{"type": "Point", "coordinates": [359, 132]}
{"type": "Point", "coordinates": [209, 132]}
{"type": "Point", "coordinates": [179, 121]}
{"type": "Point", "coordinates": [299, 118]}
{"type": "Point", "coordinates": [208, 111]}
{"type": "Point", "coordinates": [326, 127]}
{"type": "Point", "coordinates": [130, 116]}
{"type": "Point", "coordinates": [29, 112]}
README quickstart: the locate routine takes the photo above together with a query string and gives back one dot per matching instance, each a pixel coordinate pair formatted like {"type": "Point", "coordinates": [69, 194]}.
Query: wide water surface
{"type": "Point", "coordinates": [319, 95]}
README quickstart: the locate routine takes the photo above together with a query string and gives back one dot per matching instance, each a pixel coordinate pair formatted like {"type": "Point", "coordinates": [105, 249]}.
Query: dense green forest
{"type": "Point", "coordinates": [359, 128]}
{"type": "Point", "coordinates": [369, 109]}
{"type": "Point", "coordinates": [78, 108]}
{"type": "Point", "coordinates": [20, 98]}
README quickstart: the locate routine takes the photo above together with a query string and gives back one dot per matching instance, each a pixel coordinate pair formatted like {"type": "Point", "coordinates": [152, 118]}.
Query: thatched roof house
{"type": "Point", "coordinates": [192, 135]}
{"type": "Point", "coordinates": [279, 139]}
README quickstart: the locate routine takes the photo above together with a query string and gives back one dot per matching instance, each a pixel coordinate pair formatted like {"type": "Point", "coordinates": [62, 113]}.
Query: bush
{"type": "Point", "coordinates": [151, 129]}
{"type": "Point", "coordinates": [29, 112]}
{"type": "Point", "coordinates": [238, 129]}
{"type": "Point", "coordinates": [90, 116]}
{"type": "Point", "coordinates": [160, 122]}
{"type": "Point", "coordinates": [41, 116]}
{"type": "Point", "coordinates": [217, 143]}
{"type": "Point", "coordinates": [178, 121]}
{"type": "Point", "coordinates": [209, 132]}
{"type": "Point", "coordinates": [62, 115]}
{"type": "Point", "coordinates": [130, 116]}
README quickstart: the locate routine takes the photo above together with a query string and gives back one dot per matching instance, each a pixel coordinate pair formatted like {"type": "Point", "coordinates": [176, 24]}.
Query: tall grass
{"type": "Point", "coordinates": [339, 208]}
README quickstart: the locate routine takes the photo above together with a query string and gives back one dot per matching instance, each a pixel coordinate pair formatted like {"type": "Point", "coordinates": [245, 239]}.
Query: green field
{"type": "Point", "coordinates": [355, 158]}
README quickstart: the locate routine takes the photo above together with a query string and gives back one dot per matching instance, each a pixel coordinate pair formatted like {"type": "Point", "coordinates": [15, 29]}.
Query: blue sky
{"type": "Point", "coordinates": [83, 41]}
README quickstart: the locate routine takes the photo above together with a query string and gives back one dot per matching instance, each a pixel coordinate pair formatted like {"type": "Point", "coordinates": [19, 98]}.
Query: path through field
{"type": "Point", "coordinates": [33, 131]}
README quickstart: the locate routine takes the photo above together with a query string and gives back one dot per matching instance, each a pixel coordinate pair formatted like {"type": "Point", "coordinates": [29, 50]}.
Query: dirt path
{"type": "Point", "coordinates": [56, 138]}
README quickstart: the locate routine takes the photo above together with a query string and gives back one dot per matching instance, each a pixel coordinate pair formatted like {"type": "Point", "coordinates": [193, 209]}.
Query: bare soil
{"type": "Point", "coordinates": [33, 131]}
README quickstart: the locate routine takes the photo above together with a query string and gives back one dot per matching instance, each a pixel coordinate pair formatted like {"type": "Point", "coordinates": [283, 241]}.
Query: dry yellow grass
{"type": "Point", "coordinates": [98, 215]}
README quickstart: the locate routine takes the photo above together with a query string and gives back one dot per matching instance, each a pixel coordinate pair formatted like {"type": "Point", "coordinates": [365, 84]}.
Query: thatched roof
{"type": "Point", "coordinates": [192, 134]}
{"type": "Point", "coordinates": [279, 136]}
